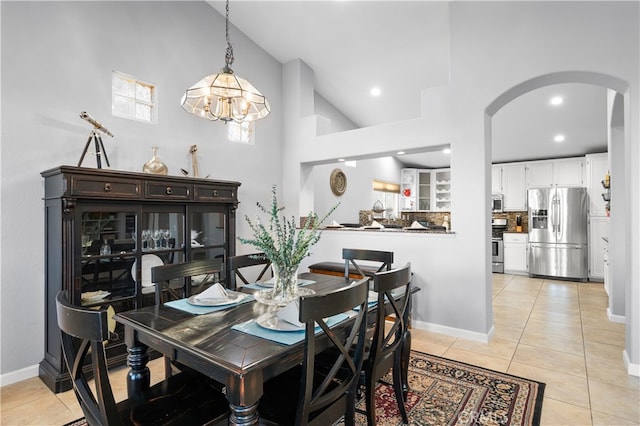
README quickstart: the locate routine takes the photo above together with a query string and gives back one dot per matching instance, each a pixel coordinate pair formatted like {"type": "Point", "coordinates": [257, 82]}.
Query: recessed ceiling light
{"type": "Point", "coordinates": [340, 159]}
{"type": "Point", "coordinates": [400, 153]}
{"type": "Point", "coordinates": [556, 100]}
{"type": "Point", "coordinates": [375, 91]}
{"type": "Point", "coordinates": [447, 150]}
{"type": "Point", "coordinates": [558, 138]}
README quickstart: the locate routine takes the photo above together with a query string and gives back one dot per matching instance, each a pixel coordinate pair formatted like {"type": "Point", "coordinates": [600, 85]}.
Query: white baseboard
{"type": "Point", "coordinates": [19, 375]}
{"type": "Point", "coordinates": [615, 318]}
{"type": "Point", "coordinates": [455, 332]}
{"type": "Point", "coordinates": [632, 369]}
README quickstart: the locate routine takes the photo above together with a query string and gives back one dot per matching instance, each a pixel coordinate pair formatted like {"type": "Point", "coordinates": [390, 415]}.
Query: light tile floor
{"type": "Point", "coordinates": [556, 332]}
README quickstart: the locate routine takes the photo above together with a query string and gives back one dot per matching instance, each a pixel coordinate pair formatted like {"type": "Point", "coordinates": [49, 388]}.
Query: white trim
{"type": "Point", "coordinates": [615, 318]}
{"type": "Point", "coordinates": [632, 369]}
{"type": "Point", "coordinates": [455, 332]}
{"type": "Point", "coordinates": [19, 375]}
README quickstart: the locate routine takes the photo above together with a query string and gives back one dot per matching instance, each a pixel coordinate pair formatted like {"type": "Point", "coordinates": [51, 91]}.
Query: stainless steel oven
{"type": "Point", "coordinates": [497, 255]}
{"type": "Point", "coordinates": [498, 226]}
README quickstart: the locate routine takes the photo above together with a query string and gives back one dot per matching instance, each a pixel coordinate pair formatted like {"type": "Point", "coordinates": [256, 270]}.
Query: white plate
{"type": "Point", "coordinates": [148, 261]}
{"type": "Point", "coordinates": [269, 283]}
{"type": "Point", "coordinates": [271, 321]}
{"type": "Point", "coordinates": [94, 296]}
{"type": "Point", "coordinates": [234, 297]}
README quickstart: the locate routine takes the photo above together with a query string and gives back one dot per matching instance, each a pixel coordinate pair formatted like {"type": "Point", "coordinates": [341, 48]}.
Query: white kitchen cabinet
{"type": "Point", "coordinates": [496, 179]}
{"type": "Point", "coordinates": [597, 166]}
{"type": "Point", "coordinates": [409, 189]}
{"type": "Point", "coordinates": [598, 228]}
{"type": "Point", "coordinates": [515, 253]}
{"type": "Point", "coordinates": [560, 172]}
{"type": "Point", "coordinates": [568, 172]}
{"type": "Point", "coordinates": [540, 174]}
{"type": "Point", "coordinates": [514, 187]}
{"type": "Point", "coordinates": [442, 189]}
{"type": "Point", "coordinates": [425, 184]}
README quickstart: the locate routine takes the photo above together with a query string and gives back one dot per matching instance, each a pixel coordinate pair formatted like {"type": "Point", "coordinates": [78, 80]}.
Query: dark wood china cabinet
{"type": "Point", "coordinates": [105, 229]}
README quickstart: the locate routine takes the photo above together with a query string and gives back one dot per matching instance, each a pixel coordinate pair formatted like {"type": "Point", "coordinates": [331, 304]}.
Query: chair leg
{"type": "Point", "coordinates": [370, 394]}
{"type": "Point", "coordinates": [168, 371]}
{"type": "Point", "coordinates": [404, 362]}
{"type": "Point", "coordinates": [398, 389]}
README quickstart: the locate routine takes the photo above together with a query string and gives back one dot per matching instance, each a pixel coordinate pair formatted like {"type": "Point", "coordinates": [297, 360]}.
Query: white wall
{"type": "Point", "coordinates": [495, 46]}
{"type": "Point", "coordinates": [358, 195]}
{"type": "Point", "coordinates": [57, 59]}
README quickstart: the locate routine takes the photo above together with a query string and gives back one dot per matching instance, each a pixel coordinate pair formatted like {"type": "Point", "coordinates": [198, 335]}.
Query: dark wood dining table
{"type": "Point", "coordinates": [208, 344]}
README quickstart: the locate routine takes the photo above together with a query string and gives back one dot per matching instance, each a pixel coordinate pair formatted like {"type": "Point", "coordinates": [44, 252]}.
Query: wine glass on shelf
{"type": "Point", "coordinates": [166, 234]}
{"type": "Point", "coordinates": [156, 234]}
{"type": "Point", "coordinates": [145, 238]}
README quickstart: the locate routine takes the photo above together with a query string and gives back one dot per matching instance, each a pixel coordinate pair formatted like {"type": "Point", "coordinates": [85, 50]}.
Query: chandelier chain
{"type": "Point", "coordinates": [228, 57]}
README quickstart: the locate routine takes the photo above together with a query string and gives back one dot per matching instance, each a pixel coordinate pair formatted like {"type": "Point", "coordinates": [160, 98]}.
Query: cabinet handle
{"type": "Point", "coordinates": [215, 192]}
{"type": "Point", "coordinates": [168, 191]}
{"type": "Point", "coordinates": [107, 187]}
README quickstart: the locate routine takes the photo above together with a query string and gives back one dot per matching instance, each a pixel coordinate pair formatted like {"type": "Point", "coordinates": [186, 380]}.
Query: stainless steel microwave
{"type": "Point", "coordinates": [497, 202]}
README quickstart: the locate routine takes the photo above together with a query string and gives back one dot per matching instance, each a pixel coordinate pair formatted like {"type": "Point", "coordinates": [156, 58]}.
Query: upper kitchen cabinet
{"type": "Point", "coordinates": [597, 166]}
{"type": "Point", "coordinates": [514, 187]}
{"type": "Point", "coordinates": [409, 188]}
{"type": "Point", "coordinates": [442, 189]}
{"type": "Point", "coordinates": [496, 179]}
{"type": "Point", "coordinates": [425, 190]}
{"type": "Point", "coordinates": [562, 172]}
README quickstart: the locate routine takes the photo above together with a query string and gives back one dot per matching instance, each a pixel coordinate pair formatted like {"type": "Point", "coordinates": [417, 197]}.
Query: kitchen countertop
{"type": "Point", "coordinates": [387, 230]}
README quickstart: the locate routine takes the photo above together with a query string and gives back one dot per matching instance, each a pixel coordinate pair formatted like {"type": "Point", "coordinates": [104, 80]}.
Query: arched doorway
{"type": "Point", "coordinates": [620, 246]}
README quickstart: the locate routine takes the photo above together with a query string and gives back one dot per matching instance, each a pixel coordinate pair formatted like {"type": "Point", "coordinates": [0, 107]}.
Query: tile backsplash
{"type": "Point", "coordinates": [511, 220]}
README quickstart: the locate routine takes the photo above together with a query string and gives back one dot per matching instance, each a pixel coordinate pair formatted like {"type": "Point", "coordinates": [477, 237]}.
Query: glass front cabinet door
{"type": "Point", "coordinates": [105, 231]}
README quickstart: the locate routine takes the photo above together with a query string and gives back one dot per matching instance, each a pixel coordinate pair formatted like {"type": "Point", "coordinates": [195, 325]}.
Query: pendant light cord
{"type": "Point", "coordinates": [228, 57]}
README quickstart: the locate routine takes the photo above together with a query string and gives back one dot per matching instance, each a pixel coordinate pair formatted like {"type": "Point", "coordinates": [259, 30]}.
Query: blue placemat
{"type": "Point", "coordinates": [284, 337]}
{"type": "Point", "coordinates": [369, 305]}
{"type": "Point", "coordinates": [183, 305]}
{"type": "Point", "coordinates": [256, 286]}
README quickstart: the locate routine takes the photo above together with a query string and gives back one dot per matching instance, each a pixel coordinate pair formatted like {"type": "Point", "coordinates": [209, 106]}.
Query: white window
{"type": "Point", "coordinates": [134, 99]}
{"type": "Point", "coordinates": [241, 132]}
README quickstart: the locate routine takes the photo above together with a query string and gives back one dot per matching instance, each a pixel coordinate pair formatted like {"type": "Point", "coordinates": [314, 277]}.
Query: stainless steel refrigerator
{"type": "Point", "coordinates": [558, 232]}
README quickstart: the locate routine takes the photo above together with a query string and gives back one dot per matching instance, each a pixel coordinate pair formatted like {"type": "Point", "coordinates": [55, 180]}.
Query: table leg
{"type": "Point", "coordinates": [139, 376]}
{"type": "Point", "coordinates": [243, 415]}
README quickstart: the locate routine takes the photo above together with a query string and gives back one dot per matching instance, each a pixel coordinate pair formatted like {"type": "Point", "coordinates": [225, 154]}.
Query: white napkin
{"type": "Point", "coordinates": [215, 292]}
{"type": "Point", "coordinates": [417, 225]}
{"type": "Point", "coordinates": [334, 223]}
{"type": "Point", "coordinates": [376, 224]}
{"type": "Point", "coordinates": [290, 313]}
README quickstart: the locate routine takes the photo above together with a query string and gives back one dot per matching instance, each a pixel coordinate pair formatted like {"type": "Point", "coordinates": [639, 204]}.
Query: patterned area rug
{"type": "Point", "coordinates": [446, 392]}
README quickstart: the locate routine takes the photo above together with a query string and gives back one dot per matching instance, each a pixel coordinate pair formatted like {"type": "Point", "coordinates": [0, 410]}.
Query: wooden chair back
{"type": "Point", "coordinates": [162, 275]}
{"type": "Point", "coordinates": [384, 260]}
{"type": "Point", "coordinates": [332, 395]}
{"type": "Point", "coordinates": [391, 336]}
{"type": "Point", "coordinates": [236, 263]}
{"type": "Point", "coordinates": [85, 330]}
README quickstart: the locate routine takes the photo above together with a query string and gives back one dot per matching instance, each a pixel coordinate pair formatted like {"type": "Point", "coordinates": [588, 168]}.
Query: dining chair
{"type": "Point", "coordinates": [236, 263]}
{"type": "Point", "coordinates": [189, 275]}
{"type": "Point", "coordinates": [182, 399]}
{"type": "Point", "coordinates": [383, 261]}
{"type": "Point", "coordinates": [391, 342]}
{"type": "Point", "coordinates": [306, 396]}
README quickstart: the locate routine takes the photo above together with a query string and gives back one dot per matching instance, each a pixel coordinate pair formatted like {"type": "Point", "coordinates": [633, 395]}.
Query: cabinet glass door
{"type": "Point", "coordinates": [107, 242]}
{"type": "Point", "coordinates": [162, 235]}
{"type": "Point", "coordinates": [208, 234]}
{"type": "Point", "coordinates": [424, 194]}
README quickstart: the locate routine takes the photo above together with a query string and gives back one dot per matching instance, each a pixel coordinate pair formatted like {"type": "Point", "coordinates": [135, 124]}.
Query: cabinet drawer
{"type": "Point", "coordinates": [105, 188]}
{"type": "Point", "coordinates": [213, 193]}
{"type": "Point", "coordinates": [515, 238]}
{"type": "Point", "coordinates": [167, 192]}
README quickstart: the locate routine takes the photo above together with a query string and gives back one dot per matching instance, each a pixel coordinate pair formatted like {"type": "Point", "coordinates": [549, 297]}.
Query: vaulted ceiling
{"type": "Point", "coordinates": [402, 47]}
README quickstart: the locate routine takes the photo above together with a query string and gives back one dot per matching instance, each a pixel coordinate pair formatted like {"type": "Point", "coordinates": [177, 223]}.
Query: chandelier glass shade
{"type": "Point", "coordinates": [225, 96]}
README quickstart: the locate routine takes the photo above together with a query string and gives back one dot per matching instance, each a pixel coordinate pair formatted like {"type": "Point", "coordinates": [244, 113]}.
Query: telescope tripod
{"type": "Point", "coordinates": [99, 149]}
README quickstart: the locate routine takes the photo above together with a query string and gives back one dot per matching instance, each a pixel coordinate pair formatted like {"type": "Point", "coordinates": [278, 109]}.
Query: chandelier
{"type": "Point", "coordinates": [225, 96]}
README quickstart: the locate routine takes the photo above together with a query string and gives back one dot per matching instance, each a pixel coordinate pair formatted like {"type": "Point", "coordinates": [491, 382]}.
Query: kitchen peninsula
{"type": "Point", "coordinates": [434, 307]}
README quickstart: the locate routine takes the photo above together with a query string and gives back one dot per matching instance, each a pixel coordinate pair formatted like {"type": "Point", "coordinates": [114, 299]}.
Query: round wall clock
{"type": "Point", "coordinates": [338, 182]}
